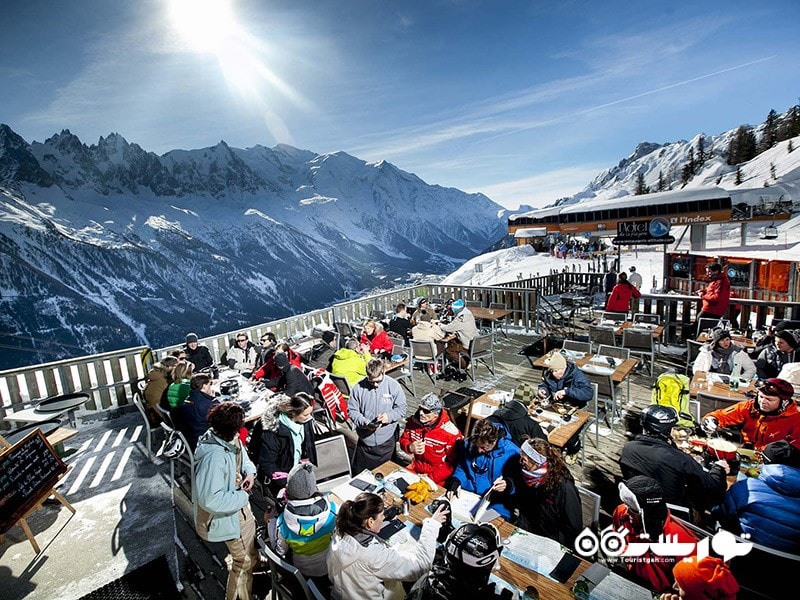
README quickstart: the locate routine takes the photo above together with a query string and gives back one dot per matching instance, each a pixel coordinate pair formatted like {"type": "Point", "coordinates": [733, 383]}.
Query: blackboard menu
{"type": "Point", "coordinates": [28, 469]}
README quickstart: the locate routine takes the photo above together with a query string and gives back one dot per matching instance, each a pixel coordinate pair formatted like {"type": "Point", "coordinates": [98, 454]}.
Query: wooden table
{"type": "Point", "coordinates": [621, 372]}
{"type": "Point", "coordinates": [511, 572]}
{"type": "Point", "coordinates": [490, 314]}
{"type": "Point", "coordinates": [558, 435]}
{"type": "Point", "coordinates": [740, 340]}
{"type": "Point", "coordinates": [699, 384]}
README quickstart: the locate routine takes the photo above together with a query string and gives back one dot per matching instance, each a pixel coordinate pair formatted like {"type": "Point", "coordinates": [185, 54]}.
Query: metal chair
{"type": "Point", "coordinates": [424, 353]}
{"type": "Point", "coordinates": [705, 324]}
{"type": "Point", "coordinates": [602, 335]}
{"type": "Point", "coordinates": [501, 322]}
{"type": "Point", "coordinates": [287, 581]}
{"type": "Point", "coordinates": [646, 319]}
{"type": "Point", "coordinates": [404, 373]}
{"type": "Point", "coordinates": [692, 350]}
{"type": "Point", "coordinates": [606, 390]}
{"type": "Point", "coordinates": [617, 317]}
{"type": "Point", "coordinates": [590, 508]}
{"type": "Point", "coordinates": [480, 348]}
{"type": "Point", "coordinates": [345, 331]}
{"type": "Point", "coordinates": [708, 402]}
{"type": "Point", "coordinates": [186, 458]}
{"type": "Point", "coordinates": [640, 342]}
{"type": "Point", "coordinates": [333, 462]}
{"type": "Point", "coordinates": [614, 351]}
{"type": "Point", "coordinates": [341, 382]}
{"type": "Point", "coordinates": [149, 431]}
{"type": "Point", "coordinates": [473, 303]}
{"type": "Point", "coordinates": [593, 421]}
{"type": "Point", "coordinates": [576, 346]}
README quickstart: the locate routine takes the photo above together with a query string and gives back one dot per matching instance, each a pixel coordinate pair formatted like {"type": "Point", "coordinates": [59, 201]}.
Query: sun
{"type": "Point", "coordinates": [206, 25]}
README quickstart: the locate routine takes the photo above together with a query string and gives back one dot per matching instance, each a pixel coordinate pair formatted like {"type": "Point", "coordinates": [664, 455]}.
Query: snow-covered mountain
{"type": "Point", "coordinates": [107, 246]}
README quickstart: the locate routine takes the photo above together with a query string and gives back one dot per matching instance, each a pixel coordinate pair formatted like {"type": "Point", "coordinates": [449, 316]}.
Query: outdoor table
{"type": "Point", "coordinates": [51, 408]}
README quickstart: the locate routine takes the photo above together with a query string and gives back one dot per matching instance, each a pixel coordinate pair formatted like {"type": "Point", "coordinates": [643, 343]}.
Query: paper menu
{"type": "Point", "coordinates": [534, 552]}
{"type": "Point", "coordinates": [465, 505]}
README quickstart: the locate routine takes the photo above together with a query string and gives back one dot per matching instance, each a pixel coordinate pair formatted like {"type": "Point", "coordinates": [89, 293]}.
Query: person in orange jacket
{"type": "Point", "coordinates": [770, 417]}
{"type": "Point", "coordinates": [620, 299]}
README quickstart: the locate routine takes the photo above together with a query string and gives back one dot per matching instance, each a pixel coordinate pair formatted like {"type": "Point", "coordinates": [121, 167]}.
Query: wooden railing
{"type": "Point", "coordinates": [111, 377]}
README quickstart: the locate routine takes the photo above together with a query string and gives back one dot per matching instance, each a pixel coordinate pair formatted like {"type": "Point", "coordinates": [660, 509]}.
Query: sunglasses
{"type": "Point", "coordinates": [427, 411]}
{"type": "Point", "coordinates": [769, 389]}
{"type": "Point", "coordinates": [241, 340]}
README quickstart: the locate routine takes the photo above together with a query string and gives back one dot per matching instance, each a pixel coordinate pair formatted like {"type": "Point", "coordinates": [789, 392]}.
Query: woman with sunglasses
{"type": "Point", "coordinates": [545, 494]}
{"type": "Point", "coordinates": [431, 437]}
{"type": "Point", "coordinates": [376, 339]}
{"type": "Point", "coordinates": [487, 462]}
{"type": "Point", "coordinates": [772, 415]}
{"type": "Point", "coordinates": [362, 565]}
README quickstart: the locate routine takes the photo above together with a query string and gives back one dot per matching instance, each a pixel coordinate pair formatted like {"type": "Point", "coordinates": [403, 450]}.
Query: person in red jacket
{"type": "Point", "coordinates": [717, 295]}
{"type": "Point", "coordinates": [620, 299]}
{"type": "Point", "coordinates": [376, 339]}
{"type": "Point", "coordinates": [770, 417]}
{"type": "Point", "coordinates": [430, 437]}
{"type": "Point", "coordinates": [645, 515]}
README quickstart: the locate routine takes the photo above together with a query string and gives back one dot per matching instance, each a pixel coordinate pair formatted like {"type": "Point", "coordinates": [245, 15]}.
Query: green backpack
{"type": "Point", "coordinates": [672, 389]}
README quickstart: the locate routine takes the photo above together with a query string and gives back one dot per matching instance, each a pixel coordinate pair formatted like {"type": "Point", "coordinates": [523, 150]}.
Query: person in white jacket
{"type": "Point", "coordinates": [720, 355]}
{"type": "Point", "coordinates": [361, 565]}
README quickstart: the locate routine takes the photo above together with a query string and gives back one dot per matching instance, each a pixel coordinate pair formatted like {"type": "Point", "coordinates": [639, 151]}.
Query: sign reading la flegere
{"type": "Point", "coordinates": [650, 231]}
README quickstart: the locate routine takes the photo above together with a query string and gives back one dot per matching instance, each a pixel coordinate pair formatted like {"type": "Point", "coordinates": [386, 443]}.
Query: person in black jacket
{"type": "Point", "coordinates": [322, 352]}
{"type": "Point", "coordinates": [514, 416]}
{"type": "Point", "coordinates": [654, 454]}
{"type": "Point", "coordinates": [198, 355]}
{"type": "Point", "coordinates": [545, 494]}
{"type": "Point", "coordinates": [291, 379]}
{"type": "Point", "coordinates": [192, 414]}
{"type": "Point", "coordinates": [282, 438]}
{"type": "Point", "coordinates": [400, 322]}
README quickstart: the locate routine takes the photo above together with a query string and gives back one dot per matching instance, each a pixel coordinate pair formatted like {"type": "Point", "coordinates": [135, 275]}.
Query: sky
{"type": "Point", "coordinates": [523, 101]}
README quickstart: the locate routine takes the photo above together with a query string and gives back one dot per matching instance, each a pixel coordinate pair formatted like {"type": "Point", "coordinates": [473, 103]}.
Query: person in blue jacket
{"type": "Point", "coordinates": [564, 382]}
{"type": "Point", "coordinates": [191, 417]}
{"type": "Point", "coordinates": [768, 507]}
{"type": "Point", "coordinates": [487, 460]}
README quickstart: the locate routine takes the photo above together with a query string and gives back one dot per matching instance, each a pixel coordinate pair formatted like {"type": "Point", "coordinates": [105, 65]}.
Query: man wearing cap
{"type": "Point", "coordinates": [634, 278]}
{"type": "Point", "coordinates": [322, 353]}
{"type": "Point", "coordinates": [772, 358]}
{"type": "Point", "coordinates": [721, 355]}
{"type": "Point", "coordinates": [564, 382]}
{"type": "Point", "coordinates": [430, 437]}
{"type": "Point", "coordinates": [291, 379]}
{"type": "Point", "coordinates": [513, 415]}
{"type": "Point", "coordinates": [196, 354]}
{"type": "Point", "coordinates": [767, 507]}
{"type": "Point", "coordinates": [770, 417]}
{"type": "Point", "coordinates": [424, 312]}
{"type": "Point", "coordinates": [460, 332]}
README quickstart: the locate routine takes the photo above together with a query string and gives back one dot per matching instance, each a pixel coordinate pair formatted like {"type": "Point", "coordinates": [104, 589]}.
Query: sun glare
{"type": "Point", "coordinates": [206, 25]}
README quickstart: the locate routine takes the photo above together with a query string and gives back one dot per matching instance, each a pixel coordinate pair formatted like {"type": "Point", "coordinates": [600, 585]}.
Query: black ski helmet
{"type": "Point", "coordinates": [474, 546]}
{"type": "Point", "coordinates": [659, 420]}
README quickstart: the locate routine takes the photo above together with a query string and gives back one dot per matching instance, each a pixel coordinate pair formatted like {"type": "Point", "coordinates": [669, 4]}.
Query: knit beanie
{"type": "Point", "coordinates": [790, 337]}
{"type": "Point", "coordinates": [431, 402]}
{"type": "Point", "coordinates": [281, 360]}
{"type": "Point", "coordinates": [524, 393]}
{"type": "Point", "coordinates": [719, 335]}
{"type": "Point", "coordinates": [301, 483]}
{"type": "Point", "coordinates": [781, 453]}
{"type": "Point", "coordinates": [191, 338]}
{"type": "Point", "coordinates": [557, 362]}
{"type": "Point", "coordinates": [704, 579]}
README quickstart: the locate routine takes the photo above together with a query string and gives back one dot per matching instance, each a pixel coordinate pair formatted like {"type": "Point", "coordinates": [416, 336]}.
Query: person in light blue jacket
{"type": "Point", "coordinates": [487, 460]}
{"type": "Point", "coordinates": [768, 507]}
{"type": "Point", "coordinates": [224, 476]}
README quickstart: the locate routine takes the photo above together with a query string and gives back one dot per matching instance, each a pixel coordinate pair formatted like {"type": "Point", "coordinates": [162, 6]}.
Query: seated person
{"type": "Point", "coordinates": [424, 312]}
{"type": "Point", "coordinates": [305, 526]}
{"type": "Point", "coordinates": [269, 370]}
{"type": "Point", "coordinates": [513, 415]}
{"type": "Point", "coordinates": [654, 453]}
{"type": "Point", "coordinates": [243, 355]}
{"type": "Point", "coordinates": [267, 344]}
{"type": "Point", "coordinates": [429, 331]}
{"type": "Point", "coordinates": [545, 494]}
{"type": "Point", "coordinates": [461, 331]}
{"type": "Point", "coordinates": [772, 415]}
{"type": "Point", "coordinates": [721, 354]}
{"type": "Point", "coordinates": [462, 567]}
{"type": "Point", "coordinates": [351, 362]}
{"type": "Point", "coordinates": [374, 337]}
{"type": "Point", "coordinates": [645, 515]}
{"type": "Point", "coordinates": [291, 379]}
{"type": "Point", "coordinates": [322, 353]}
{"type": "Point", "coordinates": [155, 390]}
{"type": "Point", "coordinates": [487, 460]}
{"type": "Point", "coordinates": [767, 507]}
{"type": "Point", "coordinates": [191, 416]}
{"type": "Point", "coordinates": [773, 357]}
{"type": "Point", "coordinates": [702, 579]}
{"type": "Point", "coordinates": [430, 437]}
{"type": "Point", "coordinates": [564, 382]}
{"type": "Point", "coordinates": [400, 323]}
{"type": "Point", "coordinates": [198, 355]}
{"type": "Point", "coordinates": [180, 388]}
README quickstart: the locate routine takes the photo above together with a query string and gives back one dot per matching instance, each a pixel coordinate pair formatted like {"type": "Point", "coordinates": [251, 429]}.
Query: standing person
{"type": "Point", "coordinates": [376, 404]}
{"type": "Point", "coordinates": [191, 416]}
{"type": "Point", "coordinates": [620, 299]}
{"type": "Point", "coordinates": [224, 476]}
{"type": "Point", "coordinates": [198, 355]}
{"type": "Point", "coordinates": [545, 494]}
{"type": "Point", "coordinates": [286, 435]}
{"type": "Point", "coordinates": [487, 461]}
{"type": "Point", "coordinates": [431, 438]}
{"type": "Point", "coordinates": [243, 355]}
{"type": "Point", "coordinates": [717, 295]}
{"type": "Point", "coordinates": [462, 330]}
{"type": "Point", "coordinates": [158, 379]}
{"type": "Point", "coordinates": [362, 566]}
{"type": "Point", "coordinates": [306, 525]}
{"type": "Point", "coordinates": [609, 281]}
{"type": "Point", "coordinates": [772, 358]}
{"type": "Point", "coordinates": [400, 323]}
{"type": "Point", "coordinates": [683, 480]}
{"type": "Point", "coordinates": [634, 278]}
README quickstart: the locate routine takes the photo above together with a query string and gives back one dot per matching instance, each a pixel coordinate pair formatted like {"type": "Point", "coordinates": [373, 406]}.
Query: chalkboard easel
{"type": "Point", "coordinates": [29, 471]}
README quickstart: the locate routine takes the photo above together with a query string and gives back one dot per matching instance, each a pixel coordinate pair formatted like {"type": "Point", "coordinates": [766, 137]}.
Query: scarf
{"type": "Point", "coordinates": [534, 478]}
{"type": "Point", "coordinates": [298, 434]}
{"type": "Point", "coordinates": [721, 359]}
